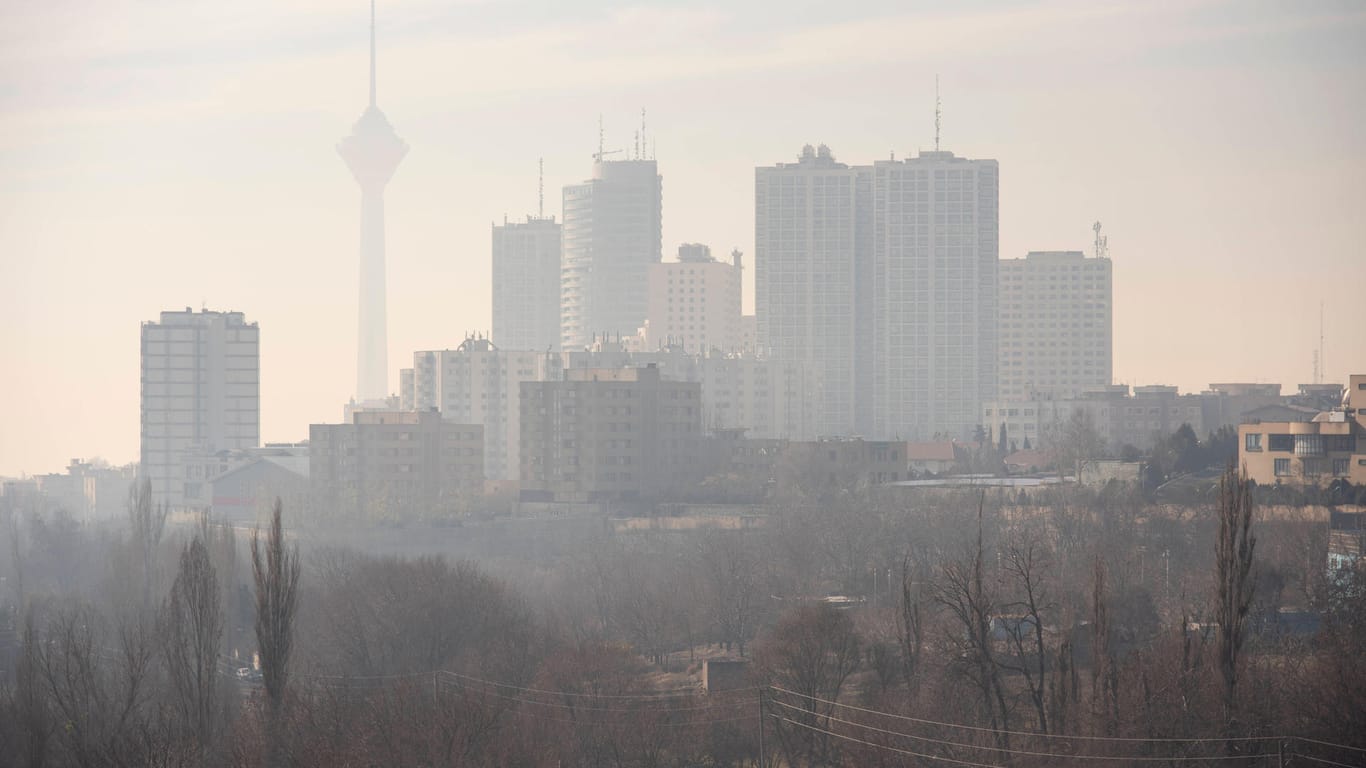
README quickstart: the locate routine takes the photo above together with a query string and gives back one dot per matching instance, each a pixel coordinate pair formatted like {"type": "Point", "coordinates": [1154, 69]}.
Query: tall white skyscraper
{"type": "Point", "coordinates": [1056, 321]}
{"type": "Point", "coordinates": [201, 391]}
{"type": "Point", "coordinates": [611, 236]}
{"type": "Point", "coordinates": [526, 284]}
{"type": "Point", "coordinates": [372, 152]}
{"type": "Point", "coordinates": [935, 250]}
{"type": "Point", "coordinates": [810, 267]}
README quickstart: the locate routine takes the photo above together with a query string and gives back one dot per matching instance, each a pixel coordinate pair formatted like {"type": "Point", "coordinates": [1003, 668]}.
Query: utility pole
{"type": "Point", "coordinates": [762, 761]}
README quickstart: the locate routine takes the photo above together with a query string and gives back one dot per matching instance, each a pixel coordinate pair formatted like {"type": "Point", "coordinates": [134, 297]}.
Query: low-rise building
{"type": "Point", "coordinates": [609, 434]}
{"type": "Point", "coordinates": [1327, 447]}
{"type": "Point", "coordinates": [395, 464]}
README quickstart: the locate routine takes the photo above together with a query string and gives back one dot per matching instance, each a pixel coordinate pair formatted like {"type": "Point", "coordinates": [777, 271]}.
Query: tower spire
{"type": "Point", "coordinates": [372, 53]}
{"type": "Point", "coordinates": [540, 188]}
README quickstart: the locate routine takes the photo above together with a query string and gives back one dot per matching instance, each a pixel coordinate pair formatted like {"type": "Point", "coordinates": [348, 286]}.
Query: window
{"type": "Point", "coordinates": [1252, 441]}
{"type": "Point", "coordinates": [1340, 467]}
{"type": "Point", "coordinates": [1282, 467]}
{"type": "Point", "coordinates": [1281, 443]}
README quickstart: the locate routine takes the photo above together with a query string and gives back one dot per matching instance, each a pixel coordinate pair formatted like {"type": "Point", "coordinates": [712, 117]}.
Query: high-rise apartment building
{"type": "Point", "coordinates": [526, 284]}
{"type": "Point", "coordinates": [811, 275]}
{"type": "Point", "coordinates": [479, 383]}
{"type": "Point", "coordinates": [201, 391]}
{"type": "Point", "coordinates": [695, 302]}
{"type": "Point", "coordinates": [935, 248]}
{"type": "Point", "coordinates": [1056, 325]}
{"type": "Point", "coordinates": [611, 237]}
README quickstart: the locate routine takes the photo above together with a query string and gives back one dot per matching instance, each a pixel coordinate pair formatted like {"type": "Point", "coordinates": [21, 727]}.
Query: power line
{"type": "Point", "coordinates": [1330, 744]}
{"type": "Point", "coordinates": [1029, 734]}
{"type": "Point", "coordinates": [906, 752]}
{"type": "Point", "coordinates": [659, 695]}
{"type": "Point", "coordinates": [1025, 752]}
{"type": "Point", "coordinates": [1324, 760]}
{"type": "Point", "coordinates": [577, 707]}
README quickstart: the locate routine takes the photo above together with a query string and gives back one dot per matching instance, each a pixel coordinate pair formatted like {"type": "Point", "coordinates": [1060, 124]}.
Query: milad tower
{"type": "Point", "coordinates": [372, 152]}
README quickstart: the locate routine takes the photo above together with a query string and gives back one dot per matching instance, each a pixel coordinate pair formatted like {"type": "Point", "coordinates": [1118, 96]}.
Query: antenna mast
{"type": "Point", "coordinates": [1102, 242]}
{"type": "Point", "coordinates": [372, 53]}
{"type": "Point", "coordinates": [540, 188]}
{"type": "Point", "coordinates": [936, 113]}
{"type": "Point", "coordinates": [1321, 374]}
{"type": "Point", "coordinates": [599, 157]}
{"type": "Point", "coordinates": [641, 156]}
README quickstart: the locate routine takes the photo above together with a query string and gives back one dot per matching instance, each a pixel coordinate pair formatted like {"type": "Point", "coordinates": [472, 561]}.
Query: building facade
{"type": "Point", "coordinates": [935, 252]}
{"type": "Point", "coordinates": [611, 237]}
{"type": "Point", "coordinates": [1056, 324]}
{"type": "Point", "coordinates": [609, 435]}
{"type": "Point", "coordinates": [1315, 451]}
{"type": "Point", "coordinates": [812, 275]}
{"type": "Point", "coordinates": [394, 465]}
{"type": "Point", "coordinates": [201, 392]}
{"type": "Point", "coordinates": [479, 383]}
{"type": "Point", "coordinates": [695, 302]}
{"type": "Point", "coordinates": [1139, 418]}
{"type": "Point", "coordinates": [526, 284]}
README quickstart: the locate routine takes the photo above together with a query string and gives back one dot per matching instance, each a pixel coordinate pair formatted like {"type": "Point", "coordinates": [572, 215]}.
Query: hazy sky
{"type": "Point", "coordinates": [157, 155]}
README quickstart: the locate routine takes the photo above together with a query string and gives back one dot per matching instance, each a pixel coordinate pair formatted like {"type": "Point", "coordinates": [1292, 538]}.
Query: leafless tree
{"type": "Point", "coordinates": [275, 570]}
{"type": "Point", "coordinates": [961, 589]}
{"type": "Point", "coordinates": [1104, 668]}
{"type": "Point", "coordinates": [1234, 580]}
{"type": "Point", "coordinates": [1027, 563]}
{"type": "Point", "coordinates": [911, 624]}
{"type": "Point", "coordinates": [191, 628]}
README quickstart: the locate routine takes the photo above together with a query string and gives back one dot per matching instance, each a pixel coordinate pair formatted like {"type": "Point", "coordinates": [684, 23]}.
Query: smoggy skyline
{"type": "Point", "coordinates": [153, 158]}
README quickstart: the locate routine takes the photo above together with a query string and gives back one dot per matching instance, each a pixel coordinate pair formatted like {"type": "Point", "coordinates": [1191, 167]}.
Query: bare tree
{"type": "Point", "coordinates": [1027, 562]}
{"type": "Point", "coordinates": [276, 574]}
{"type": "Point", "coordinates": [961, 589]}
{"type": "Point", "coordinates": [1104, 669]}
{"type": "Point", "coordinates": [911, 626]}
{"type": "Point", "coordinates": [191, 631]}
{"type": "Point", "coordinates": [1234, 579]}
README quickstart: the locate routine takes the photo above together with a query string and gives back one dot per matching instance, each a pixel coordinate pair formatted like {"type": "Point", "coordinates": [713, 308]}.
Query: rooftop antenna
{"type": "Point", "coordinates": [540, 188]}
{"type": "Point", "coordinates": [600, 141]}
{"type": "Point", "coordinates": [1321, 365]}
{"type": "Point", "coordinates": [1102, 242]}
{"type": "Point", "coordinates": [637, 157]}
{"type": "Point", "coordinates": [936, 113]}
{"type": "Point", "coordinates": [372, 53]}
{"type": "Point", "coordinates": [642, 131]}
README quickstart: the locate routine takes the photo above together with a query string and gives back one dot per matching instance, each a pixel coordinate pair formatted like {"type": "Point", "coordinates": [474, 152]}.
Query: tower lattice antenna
{"type": "Point", "coordinates": [1102, 242]}
{"type": "Point", "coordinates": [372, 53]}
{"type": "Point", "coordinates": [641, 155]}
{"type": "Point", "coordinates": [600, 137]}
{"type": "Point", "coordinates": [937, 112]}
{"type": "Point", "coordinates": [540, 188]}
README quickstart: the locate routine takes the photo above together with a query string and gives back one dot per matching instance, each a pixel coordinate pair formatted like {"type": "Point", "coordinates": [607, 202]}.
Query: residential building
{"type": "Point", "coordinates": [1120, 417]}
{"type": "Point", "coordinates": [612, 235]}
{"type": "Point", "coordinates": [201, 392]}
{"type": "Point", "coordinates": [89, 491]}
{"type": "Point", "coordinates": [1056, 325]}
{"type": "Point", "coordinates": [935, 254]}
{"type": "Point", "coordinates": [241, 485]}
{"type": "Point", "coordinates": [609, 435]}
{"type": "Point", "coordinates": [695, 302]}
{"type": "Point", "coordinates": [1317, 450]}
{"type": "Point", "coordinates": [812, 277]}
{"type": "Point", "coordinates": [480, 383]}
{"type": "Point", "coordinates": [765, 397]}
{"type": "Point", "coordinates": [394, 465]}
{"type": "Point", "coordinates": [526, 284]}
